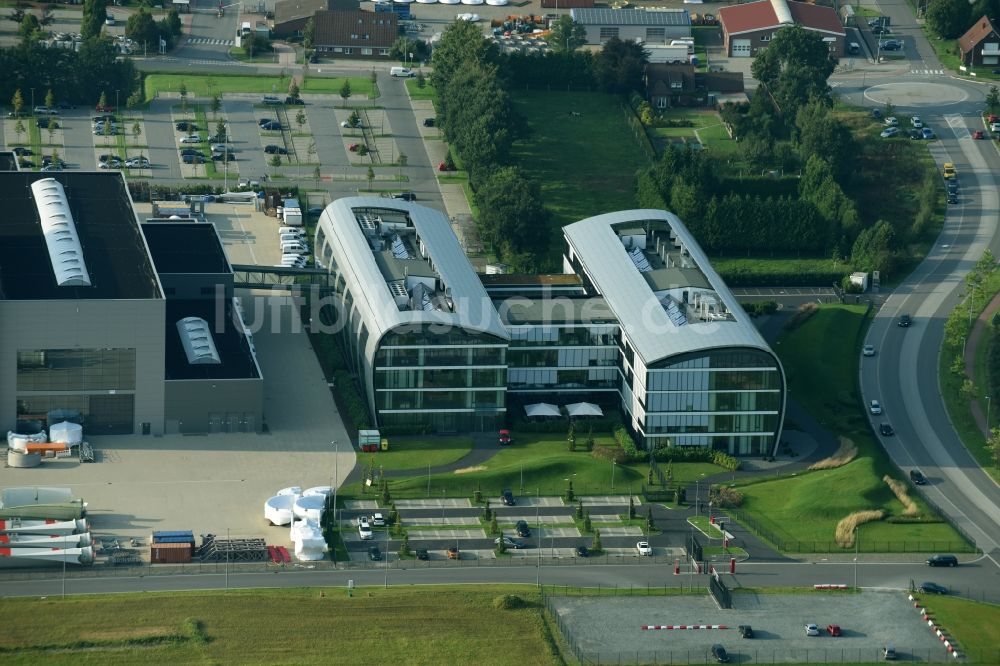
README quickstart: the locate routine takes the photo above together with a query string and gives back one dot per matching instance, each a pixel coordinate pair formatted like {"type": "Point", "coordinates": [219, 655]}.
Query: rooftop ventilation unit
{"type": "Point", "coordinates": [59, 229]}
{"type": "Point", "coordinates": [197, 341]}
{"type": "Point", "coordinates": [369, 223]}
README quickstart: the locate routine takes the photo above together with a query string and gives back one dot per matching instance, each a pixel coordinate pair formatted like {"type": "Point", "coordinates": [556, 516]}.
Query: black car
{"type": "Point", "coordinates": [47, 160]}
{"type": "Point", "coordinates": [918, 477]}
{"type": "Point", "coordinates": [405, 196]}
{"type": "Point", "coordinates": [581, 551]}
{"type": "Point", "coordinates": [223, 157]}
{"type": "Point", "coordinates": [316, 211]}
{"type": "Point", "coordinates": [507, 498]}
{"type": "Point", "coordinates": [719, 653]}
{"type": "Point", "coordinates": [264, 121]}
{"type": "Point", "coordinates": [522, 529]}
{"type": "Point", "coordinates": [374, 554]}
{"type": "Point", "coordinates": [275, 150]}
{"type": "Point", "coordinates": [421, 554]}
{"type": "Point", "coordinates": [933, 588]}
{"type": "Point", "coordinates": [904, 321]}
{"type": "Point", "coordinates": [916, 134]}
{"type": "Point", "coordinates": [877, 114]}
{"type": "Point", "coordinates": [271, 125]}
{"type": "Point", "coordinates": [942, 561]}
{"type": "Point", "coordinates": [886, 430]}
{"type": "Point", "coordinates": [428, 122]}
{"type": "Point", "coordinates": [186, 126]}
{"type": "Point", "coordinates": [746, 631]}
{"type": "Point", "coordinates": [48, 123]}
{"type": "Point", "coordinates": [952, 198]}
{"type": "Point", "coordinates": [951, 185]}
{"type": "Point", "coordinates": [193, 159]}
{"type": "Point", "coordinates": [189, 151]}
{"type": "Point", "coordinates": [25, 163]}
{"type": "Point", "coordinates": [314, 59]}
{"type": "Point", "coordinates": [294, 101]}
{"type": "Point", "coordinates": [21, 150]}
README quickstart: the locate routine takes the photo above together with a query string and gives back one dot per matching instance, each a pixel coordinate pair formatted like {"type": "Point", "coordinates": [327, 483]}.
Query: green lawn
{"type": "Point", "coordinates": [807, 507]}
{"type": "Point", "coordinates": [416, 92]}
{"type": "Point", "coordinates": [706, 128]}
{"type": "Point", "coordinates": [974, 626]}
{"type": "Point", "coordinates": [417, 454]}
{"type": "Point", "coordinates": [704, 525]}
{"type": "Point", "coordinates": [761, 270]}
{"type": "Point", "coordinates": [586, 164]}
{"type": "Point", "coordinates": [546, 463]}
{"type": "Point", "coordinates": [418, 625]}
{"type": "Point", "coordinates": [205, 85]}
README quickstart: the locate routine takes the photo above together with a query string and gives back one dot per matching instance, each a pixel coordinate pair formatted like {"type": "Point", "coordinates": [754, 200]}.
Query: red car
{"type": "Point", "coordinates": [444, 167]}
{"type": "Point", "coordinates": [992, 118]}
{"type": "Point", "coordinates": [504, 437]}
{"type": "Point", "coordinates": [833, 629]}
{"type": "Point", "coordinates": [354, 147]}
{"type": "Point", "coordinates": [105, 108]}
{"type": "Point", "coordinates": [978, 134]}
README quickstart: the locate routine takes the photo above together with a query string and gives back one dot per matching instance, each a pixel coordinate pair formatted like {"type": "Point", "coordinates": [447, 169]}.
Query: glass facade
{"type": "Point", "coordinates": [94, 387]}
{"type": "Point", "coordinates": [565, 357]}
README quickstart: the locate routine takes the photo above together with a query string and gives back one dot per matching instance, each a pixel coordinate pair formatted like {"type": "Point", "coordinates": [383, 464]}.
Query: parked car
{"type": "Point", "coordinates": [191, 138]}
{"type": "Point", "coordinates": [951, 186]}
{"type": "Point", "coordinates": [719, 653]}
{"type": "Point", "coordinates": [503, 437]}
{"type": "Point", "coordinates": [995, 127]}
{"type": "Point", "coordinates": [272, 149]}
{"type": "Point", "coordinates": [114, 131]}
{"type": "Point", "coordinates": [979, 134]}
{"type": "Point", "coordinates": [952, 198]}
{"type": "Point", "coordinates": [889, 653]}
{"type": "Point", "coordinates": [374, 554]}
{"type": "Point", "coordinates": [507, 498]}
{"type": "Point", "coordinates": [875, 407]}
{"type": "Point", "coordinates": [877, 114]}
{"type": "Point", "coordinates": [928, 133]}
{"type": "Point", "coordinates": [918, 477]}
{"type": "Point", "coordinates": [348, 125]}
{"type": "Point", "coordinates": [428, 122]}
{"type": "Point", "coordinates": [915, 134]}
{"type": "Point", "coordinates": [812, 630]}
{"type": "Point", "coordinates": [928, 587]}
{"type": "Point", "coordinates": [270, 99]}
{"type": "Point", "coordinates": [443, 166]}
{"type": "Point", "coordinates": [522, 529]}
{"type": "Point", "coordinates": [886, 430]}
{"type": "Point", "coordinates": [582, 551]}
{"type": "Point", "coordinates": [942, 561]}
{"type": "Point", "coordinates": [111, 164]}
{"type": "Point", "coordinates": [364, 529]}
{"type": "Point", "coordinates": [263, 121]}
{"type": "Point", "coordinates": [880, 30]}
{"type": "Point", "coordinates": [137, 163]}
{"type": "Point", "coordinates": [186, 126]}
{"type": "Point", "coordinates": [105, 108]}
{"type": "Point", "coordinates": [405, 196]}
{"type": "Point", "coordinates": [891, 121]}
{"type": "Point", "coordinates": [916, 122]}
{"type": "Point", "coordinates": [25, 163]}
{"type": "Point", "coordinates": [220, 146]}
{"type": "Point", "coordinates": [510, 543]}
{"type": "Point", "coordinates": [47, 123]}
{"type": "Point", "coordinates": [868, 350]}
{"type": "Point", "coordinates": [453, 553]}
{"type": "Point", "coordinates": [421, 554]}
{"type": "Point", "coordinates": [271, 126]}
{"type": "Point", "coordinates": [21, 150]}
{"type": "Point", "coordinates": [223, 157]}
{"type": "Point", "coordinates": [644, 548]}
{"type": "Point", "coordinates": [193, 159]}
{"type": "Point", "coordinates": [59, 162]}
{"type": "Point", "coordinates": [746, 631]}
{"type": "Point", "coordinates": [833, 629]}
{"type": "Point", "coordinates": [316, 211]}
{"type": "Point", "coordinates": [904, 321]}
{"type": "Point", "coordinates": [889, 132]}
{"type": "Point", "coordinates": [294, 101]}
{"type": "Point", "coordinates": [378, 520]}
{"type": "Point", "coordinates": [354, 147]}
{"type": "Point", "coordinates": [189, 151]}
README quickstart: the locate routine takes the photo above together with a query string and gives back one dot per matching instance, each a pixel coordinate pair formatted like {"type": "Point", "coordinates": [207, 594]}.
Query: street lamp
{"type": "Point", "coordinates": [857, 534]}
{"type": "Point", "coordinates": [538, 535]}
{"type": "Point", "coordinates": [614, 464]}
{"type": "Point", "coordinates": [988, 401]}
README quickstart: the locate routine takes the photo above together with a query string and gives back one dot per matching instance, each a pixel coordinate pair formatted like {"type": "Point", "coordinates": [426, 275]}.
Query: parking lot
{"type": "Point", "coordinates": [609, 630]}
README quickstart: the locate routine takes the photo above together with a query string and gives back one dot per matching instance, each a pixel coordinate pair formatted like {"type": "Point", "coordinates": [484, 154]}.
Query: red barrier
{"type": "Point", "coordinates": [732, 565]}
{"type": "Point", "coordinates": [677, 568]}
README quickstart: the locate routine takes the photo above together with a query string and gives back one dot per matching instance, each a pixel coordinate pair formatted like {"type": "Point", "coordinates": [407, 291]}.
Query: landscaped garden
{"type": "Point", "coordinates": [203, 85]}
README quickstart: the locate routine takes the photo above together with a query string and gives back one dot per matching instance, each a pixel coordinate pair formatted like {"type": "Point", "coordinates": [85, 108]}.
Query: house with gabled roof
{"type": "Point", "coordinates": [748, 28]}
{"type": "Point", "coordinates": [980, 45]}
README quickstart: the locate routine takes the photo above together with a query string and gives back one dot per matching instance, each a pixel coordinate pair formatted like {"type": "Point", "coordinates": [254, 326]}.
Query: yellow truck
{"type": "Point", "coordinates": [949, 171]}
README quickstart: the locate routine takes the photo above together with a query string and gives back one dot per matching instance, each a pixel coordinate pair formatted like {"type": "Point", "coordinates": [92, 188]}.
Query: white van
{"type": "Point", "coordinates": [295, 241]}
{"type": "Point", "coordinates": [295, 238]}
{"type": "Point", "coordinates": [403, 72]}
{"type": "Point", "coordinates": [292, 230]}
{"type": "Point", "coordinates": [294, 249]}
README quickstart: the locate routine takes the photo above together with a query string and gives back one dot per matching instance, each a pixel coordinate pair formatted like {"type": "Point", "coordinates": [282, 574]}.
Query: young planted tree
{"type": "Point", "coordinates": [587, 525]}
{"type": "Point", "coordinates": [345, 90]}
{"type": "Point", "coordinates": [136, 131]}
{"type": "Point", "coordinates": [216, 104]}
{"type": "Point", "coordinates": [993, 98]}
{"type": "Point", "coordinates": [102, 101]}
{"type": "Point", "coordinates": [19, 129]}
{"type": "Point", "coordinates": [17, 101]}
{"type": "Point", "coordinates": [421, 80]}
{"type": "Point", "coordinates": [300, 119]}
{"type": "Point", "coordinates": [184, 96]}
{"type": "Point", "coordinates": [50, 99]}
{"type": "Point", "coordinates": [650, 526]}
{"type": "Point", "coordinates": [293, 89]}
{"type": "Point", "coordinates": [316, 175]}
{"type": "Point", "coordinates": [501, 546]}
{"type": "Point", "coordinates": [596, 546]}
{"type": "Point", "coordinates": [494, 528]}
{"type": "Point", "coordinates": [371, 177]}
{"type": "Point", "coordinates": [404, 546]}
{"type": "Point", "coordinates": [221, 130]}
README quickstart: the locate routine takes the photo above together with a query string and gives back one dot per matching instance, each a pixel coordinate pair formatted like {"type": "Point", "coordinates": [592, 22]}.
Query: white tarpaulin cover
{"type": "Point", "coordinates": [308, 540]}
{"type": "Point", "coordinates": [66, 432]}
{"type": "Point", "coordinates": [19, 442]}
{"type": "Point", "coordinates": [278, 509]}
{"type": "Point", "coordinates": [584, 409]}
{"type": "Point", "coordinates": [310, 507]}
{"type": "Point", "coordinates": [541, 409]}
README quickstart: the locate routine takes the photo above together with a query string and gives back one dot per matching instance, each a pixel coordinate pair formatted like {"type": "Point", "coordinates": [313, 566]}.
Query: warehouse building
{"type": "Point", "coordinates": [649, 26]}
{"type": "Point", "coordinates": [87, 333]}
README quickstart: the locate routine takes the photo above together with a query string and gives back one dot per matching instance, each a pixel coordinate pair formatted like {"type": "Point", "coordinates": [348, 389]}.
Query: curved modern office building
{"type": "Point", "coordinates": [417, 326]}
{"type": "Point", "coordinates": [694, 369]}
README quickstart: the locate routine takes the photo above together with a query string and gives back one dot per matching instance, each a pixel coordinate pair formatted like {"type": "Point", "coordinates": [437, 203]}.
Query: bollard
{"type": "Point", "coordinates": [732, 565]}
{"type": "Point", "coordinates": [711, 519]}
{"type": "Point", "coordinates": [677, 567]}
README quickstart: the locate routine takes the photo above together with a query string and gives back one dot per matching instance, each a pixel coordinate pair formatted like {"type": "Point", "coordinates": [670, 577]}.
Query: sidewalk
{"type": "Point", "coordinates": [979, 329]}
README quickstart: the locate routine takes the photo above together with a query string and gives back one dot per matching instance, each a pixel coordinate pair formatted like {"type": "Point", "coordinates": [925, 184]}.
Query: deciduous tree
{"type": "Point", "coordinates": [619, 67]}
{"type": "Point", "coordinates": [567, 34]}
{"type": "Point", "coordinates": [512, 218]}
{"type": "Point", "coordinates": [95, 12]}
{"type": "Point", "coordinates": [949, 18]}
{"type": "Point", "coordinates": [794, 69]}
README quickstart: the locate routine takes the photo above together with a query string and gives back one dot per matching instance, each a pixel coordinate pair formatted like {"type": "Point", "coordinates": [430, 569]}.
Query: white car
{"type": "Point", "coordinates": [137, 163]}
{"type": "Point", "coordinates": [219, 148]}
{"type": "Point", "coordinates": [812, 630]}
{"type": "Point", "coordinates": [868, 350]}
{"type": "Point", "coordinates": [995, 127]}
{"type": "Point", "coordinates": [364, 529]}
{"type": "Point", "coordinates": [644, 548]}
{"type": "Point", "coordinates": [916, 122]}
{"type": "Point", "coordinates": [378, 520]}
{"type": "Point", "coordinates": [191, 138]}
{"type": "Point", "coordinates": [891, 121]}
{"type": "Point", "coordinates": [875, 407]}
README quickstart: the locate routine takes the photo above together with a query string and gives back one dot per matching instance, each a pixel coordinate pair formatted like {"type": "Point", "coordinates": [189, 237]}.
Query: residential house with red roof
{"type": "Point", "coordinates": [747, 28]}
{"type": "Point", "coordinates": [980, 45]}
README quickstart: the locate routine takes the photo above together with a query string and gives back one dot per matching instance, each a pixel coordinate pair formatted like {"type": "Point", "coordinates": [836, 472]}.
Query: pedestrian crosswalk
{"type": "Point", "coordinates": [210, 41]}
{"type": "Point", "coordinates": [924, 72]}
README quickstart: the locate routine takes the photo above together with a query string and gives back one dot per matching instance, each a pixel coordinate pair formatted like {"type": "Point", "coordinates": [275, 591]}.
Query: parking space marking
{"type": "Point", "coordinates": [451, 520]}
{"type": "Point", "coordinates": [438, 535]}
{"type": "Point", "coordinates": [627, 530]}
{"type": "Point", "coordinates": [433, 503]}
{"type": "Point", "coordinates": [607, 500]}
{"type": "Point", "coordinates": [541, 501]}
{"type": "Point", "coordinates": [361, 505]}
{"type": "Point", "coordinates": [545, 532]}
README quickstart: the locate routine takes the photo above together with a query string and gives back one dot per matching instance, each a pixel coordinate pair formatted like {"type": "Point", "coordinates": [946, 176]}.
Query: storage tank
{"type": "Point", "coordinates": [310, 507]}
{"type": "Point", "coordinates": [66, 432]}
{"type": "Point", "coordinates": [325, 491]}
{"type": "Point", "coordinates": [278, 509]}
{"type": "Point", "coordinates": [22, 459]}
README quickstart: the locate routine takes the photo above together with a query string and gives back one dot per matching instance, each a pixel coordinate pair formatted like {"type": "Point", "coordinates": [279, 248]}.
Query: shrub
{"type": "Point", "coordinates": [508, 602]}
{"type": "Point", "coordinates": [844, 535]}
{"type": "Point", "coordinates": [900, 491]}
{"type": "Point", "coordinates": [596, 546]}
{"type": "Point", "coordinates": [845, 454]}
{"type": "Point", "coordinates": [725, 497]}
{"type": "Point", "coordinates": [801, 316]}
{"type": "Point", "coordinates": [625, 441]}
{"type": "Point", "coordinates": [758, 308]}
{"type": "Point", "coordinates": [357, 408]}
{"type": "Point", "coordinates": [587, 525]}
{"type": "Point", "coordinates": [671, 454]}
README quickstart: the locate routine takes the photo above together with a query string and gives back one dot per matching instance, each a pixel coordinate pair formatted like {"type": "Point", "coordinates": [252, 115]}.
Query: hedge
{"type": "Point", "coordinates": [625, 441]}
{"type": "Point", "coordinates": [606, 424]}
{"type": "Point", "coordinates": [758, 308]}
{"type": "Point", "coordinates": [697, 454]}
{"type": "Point", "coordinates": [739, 277]}
{"type": "Point", "coordinates": [357, 409]}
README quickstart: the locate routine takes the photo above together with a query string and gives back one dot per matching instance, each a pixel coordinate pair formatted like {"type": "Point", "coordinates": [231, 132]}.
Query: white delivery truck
{"type": "Point", "coordinates": [292, 213]}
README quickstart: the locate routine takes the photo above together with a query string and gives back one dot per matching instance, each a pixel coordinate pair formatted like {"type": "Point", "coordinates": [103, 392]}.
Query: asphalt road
{"type": "Point", "coordinates": [880, 575]}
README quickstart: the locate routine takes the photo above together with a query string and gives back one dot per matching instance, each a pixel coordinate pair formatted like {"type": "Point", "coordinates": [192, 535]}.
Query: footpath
{"type": "Point", "coordinates": [976, 337]}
